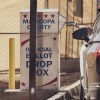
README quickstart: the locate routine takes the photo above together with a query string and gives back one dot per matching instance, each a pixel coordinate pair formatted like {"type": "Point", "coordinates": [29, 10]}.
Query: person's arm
{"type": "Point", "coordinates": [77, 25]}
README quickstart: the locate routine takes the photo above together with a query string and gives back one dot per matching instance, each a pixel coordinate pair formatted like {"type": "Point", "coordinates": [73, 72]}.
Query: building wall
{"type": "Point", "coordinates": [82, 11]}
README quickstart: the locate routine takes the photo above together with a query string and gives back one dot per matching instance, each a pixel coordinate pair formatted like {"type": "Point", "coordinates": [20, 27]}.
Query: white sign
{"type": "Point", "coordinates": [46, 22]}
{"type": "Point", "coordinates": [47, 51]}
{"type": "Point", "coordinates": [47, 62]}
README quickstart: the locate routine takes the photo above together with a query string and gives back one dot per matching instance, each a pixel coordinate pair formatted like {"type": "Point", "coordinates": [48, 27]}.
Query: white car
{"type": "Point", "coordinates": [90, 61]}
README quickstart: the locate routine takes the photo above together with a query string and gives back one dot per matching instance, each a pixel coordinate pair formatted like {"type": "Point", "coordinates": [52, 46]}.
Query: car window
{"type": "Point", "coordinates": [96, 25]}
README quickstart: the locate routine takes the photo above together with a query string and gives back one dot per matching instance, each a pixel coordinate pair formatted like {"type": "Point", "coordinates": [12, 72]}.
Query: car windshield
{"type": "Point", "coordinates": [96, 25]}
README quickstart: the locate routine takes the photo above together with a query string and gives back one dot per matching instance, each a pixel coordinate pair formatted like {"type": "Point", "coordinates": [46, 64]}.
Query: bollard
{"type": "Point", "coordinates": [11, 63]}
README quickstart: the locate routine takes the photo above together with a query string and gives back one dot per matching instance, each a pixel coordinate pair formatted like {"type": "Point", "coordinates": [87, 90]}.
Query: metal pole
{"type": "Point", "coordinates": [12, 63]}
{"type": "Point", "coordinates": [32, 68]}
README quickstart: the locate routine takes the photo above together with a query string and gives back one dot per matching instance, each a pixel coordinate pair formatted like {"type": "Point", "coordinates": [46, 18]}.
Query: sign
{"type": "Point", "coordinates": [47, 50]}
{"type": "Point", "coordinates": [62, 21]}
{"type": "Point", "coordinates": [47, 22]}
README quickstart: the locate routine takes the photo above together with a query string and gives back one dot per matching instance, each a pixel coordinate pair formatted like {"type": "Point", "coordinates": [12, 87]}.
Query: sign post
{"type": "Point", "coordinates": [32, 68]}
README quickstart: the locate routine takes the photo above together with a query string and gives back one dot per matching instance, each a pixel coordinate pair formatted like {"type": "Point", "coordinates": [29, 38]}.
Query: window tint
{"type": "Point", "coordinates": [96, 25]}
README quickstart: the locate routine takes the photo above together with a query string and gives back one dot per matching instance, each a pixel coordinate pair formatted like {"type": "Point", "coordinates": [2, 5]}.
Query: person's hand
{"type": "Point", "coordinates": [77, 25]}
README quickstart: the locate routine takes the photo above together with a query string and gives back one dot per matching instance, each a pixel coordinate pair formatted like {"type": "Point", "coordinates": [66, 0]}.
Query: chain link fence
{"type": "Point", "coordinates": [10, 28]}
{"type": "Point", "coordinates": [70, 9]}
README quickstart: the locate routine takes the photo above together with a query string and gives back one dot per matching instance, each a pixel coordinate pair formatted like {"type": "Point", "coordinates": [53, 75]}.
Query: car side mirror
{"type": "Point", "coordinates": [81, 34]}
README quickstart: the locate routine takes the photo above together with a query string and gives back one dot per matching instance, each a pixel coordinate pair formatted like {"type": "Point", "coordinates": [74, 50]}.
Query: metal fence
{"type": "Point", "coordinates": [72, 10]}
{"type": "Point", "coordinates": [10, 28]}
{"type": "Point", "coordinates": [82, 11]}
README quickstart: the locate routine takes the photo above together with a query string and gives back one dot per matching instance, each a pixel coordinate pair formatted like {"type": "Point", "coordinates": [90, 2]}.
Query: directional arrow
{"type": "Point", "coordinates": [62, 21]}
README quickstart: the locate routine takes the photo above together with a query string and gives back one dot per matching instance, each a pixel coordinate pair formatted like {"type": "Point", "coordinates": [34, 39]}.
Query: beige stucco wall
{"type": "Point", "coordinates": [74, 11]}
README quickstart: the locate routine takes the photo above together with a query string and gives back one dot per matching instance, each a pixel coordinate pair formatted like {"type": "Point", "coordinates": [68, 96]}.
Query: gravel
{"type": "Point", "coordinates": [66, 79]}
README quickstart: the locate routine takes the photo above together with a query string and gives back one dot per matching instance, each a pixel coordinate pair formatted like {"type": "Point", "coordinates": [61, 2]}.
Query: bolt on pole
{"type": "Point", "coordinates": [32, 68]}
